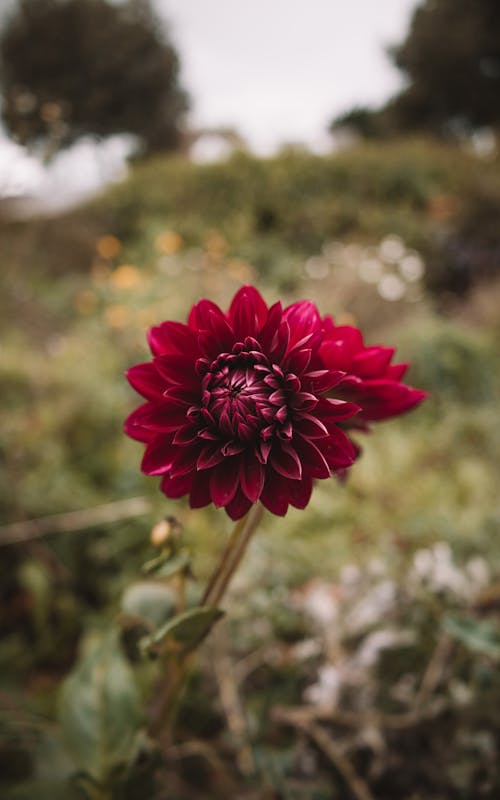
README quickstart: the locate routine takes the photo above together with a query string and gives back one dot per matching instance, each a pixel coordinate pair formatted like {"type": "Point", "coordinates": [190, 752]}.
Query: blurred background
{"type": "Point", "coordinates": [155, 152]}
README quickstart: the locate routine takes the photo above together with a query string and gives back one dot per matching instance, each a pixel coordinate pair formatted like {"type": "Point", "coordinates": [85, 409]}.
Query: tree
{"type": "Point", "coordinates": [70, 68]}
{"type": "Point", "coordinates": [360, 120]}
{"type": "Point", "coordinates": [451, 60]}
{"type": "Point", "coordinates": [451, 63]}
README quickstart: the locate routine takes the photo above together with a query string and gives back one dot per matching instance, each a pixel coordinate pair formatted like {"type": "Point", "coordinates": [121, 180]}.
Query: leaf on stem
{"type": "Point", "coordinates": [187, 629]}
{"type": "Point", "coordinates": [167, 567]}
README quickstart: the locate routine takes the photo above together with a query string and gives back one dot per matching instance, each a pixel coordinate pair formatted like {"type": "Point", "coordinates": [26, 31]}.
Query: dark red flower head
{"type": "Point", "coordinates": [254, 404]}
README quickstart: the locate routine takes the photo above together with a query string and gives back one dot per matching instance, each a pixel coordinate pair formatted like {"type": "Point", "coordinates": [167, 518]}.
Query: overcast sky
{"type": "Point", "coordinates": [279, 70]}
{"type": "Point", "coordinates": [276, 70]}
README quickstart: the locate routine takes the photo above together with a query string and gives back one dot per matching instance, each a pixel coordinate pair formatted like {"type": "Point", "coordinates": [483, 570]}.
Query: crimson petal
{"type": "Point", "coordinates": [224, 479]}
{"type": "Point", "coordinates": [286, 461]}
{"type": "Point", "coordinates": [338, 450]}
{"type": "Point", "coordinates": [162, 417]}
{"type": "Point", "coordinates": [158, 456]}
{"type": "Point", "coordinates": [200, 491]}
{"type": "Point", "coordinates": [199, 314]}
{"type": "Point", "coordinates": [396, 371]}
{"type": "Point", "coordinates": [176, 487]}
{"type": "Point", "coordinates": [300, 492]}
{"type": "Point", "coordinates": [238, 506]}
{"type": "Point", "coordinates": [173, 338]}
{"type": "Point", "coordinates": [252, 477]}
{"type": "Point", "coordinates": [184, 460]}
{"type": "Point", "coordinates": [177, 370]}
{"type": "Point", "coordinates": [145, 379]}
{"type": "Point", "coordinates": [313, 460]}
{"type": "Point", "coordinates": [310, 427]}
{"type": "Point", "coordinates": [247, 313]}
{"type": "Point", "coordinates": [372, 361]}
{"type": "Point", "coordinates": [276, 494]}
{"type": "Point", "coordinates": [329, 408]}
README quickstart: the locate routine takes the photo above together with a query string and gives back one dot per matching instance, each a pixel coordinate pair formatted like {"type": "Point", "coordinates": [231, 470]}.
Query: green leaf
{"type": "Point", "coordinates": [149, 601]}
{"type": "Point", "coordinates": [99, 709]}
{"type": "Point", "coordinates": [155, 563]}
{"type": "Point", "coordinates": [480, 637]}
{"type": "Point", "coordinates": [171, 566]}
{"type": "Point", "coordinates": [187, 629]}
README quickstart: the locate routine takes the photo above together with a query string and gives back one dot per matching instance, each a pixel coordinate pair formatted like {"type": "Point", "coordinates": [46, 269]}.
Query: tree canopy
{"type": "Point", "coordinates": [70, 68]}
{"type": "Point", "coordinates": [450, 59]}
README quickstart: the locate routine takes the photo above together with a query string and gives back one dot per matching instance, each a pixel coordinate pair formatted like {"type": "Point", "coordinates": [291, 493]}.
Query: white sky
{"type": "Point", "coordinates": [279, 70]}
{"type": "Point", "coordinates": [276, 70]}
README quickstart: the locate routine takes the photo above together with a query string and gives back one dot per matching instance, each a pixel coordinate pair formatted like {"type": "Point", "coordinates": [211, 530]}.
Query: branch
{"type": "Point", "coordinates": [25, 531]}
{"type": "Point", "coordinates": [330, 749]}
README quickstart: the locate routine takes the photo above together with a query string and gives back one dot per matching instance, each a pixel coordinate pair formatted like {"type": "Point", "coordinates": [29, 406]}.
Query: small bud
{"type": "Point", "coordinates": [167, 531]}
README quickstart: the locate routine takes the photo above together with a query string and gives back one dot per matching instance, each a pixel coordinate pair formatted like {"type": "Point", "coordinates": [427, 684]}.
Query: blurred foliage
{"type": "Point", "coordinates": [449, 92]}
{"type": "Point", "coordinates": [452, 89]}
{"type": "Point", "coordinates": [70, 68]}
{"type": "Point", "coordinates": [273, 213]}
{"type": "Point", "coordinates": [362, 631]}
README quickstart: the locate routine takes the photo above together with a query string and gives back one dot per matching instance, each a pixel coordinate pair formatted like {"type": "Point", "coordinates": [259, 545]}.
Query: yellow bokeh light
{"type": "Point", "coordinates": [108, 247]}
{"type": "Point", "coordinates": [168, 242]}
{"type": "Point", "coordinates": [125, 276]}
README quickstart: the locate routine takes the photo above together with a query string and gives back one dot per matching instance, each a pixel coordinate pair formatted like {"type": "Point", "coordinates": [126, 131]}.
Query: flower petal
{"type": "Point", "coordinates": [210, 456]}
{"type": "Point", "coordinates": [200, 491]}
{"type": "Point", "coordinates": [184, 460]}
{"type": "Point", "coordinates": [321, 380]}
{"type": "Point", "coordinates": [313, 460]}
{"type": "Point", "coordinates": [396, 371]}
{"type": "Point", "coordinates": [173, 338]}
{"type": "Point", "coordinates": [162, 417]}
{"type": "Point", "coordinates": [330, 408]}
{"type": "Point", "coordinates": [276, 494]}
{"type": "Point", "coordinates": [303, 318]}
{"type": "Point", "coordinates": [198, 316]}
{"type": "Point", "coordinates": [247, 313]}
{"type": "Point", "coordinates": [177, 370]}
{"type": "Point", "coordinates": [338, 449]}
{"type": "Point", "coordinates": [146, 380]}
{"type": "Point", "coordinates": [372, 361]}
{"type": "Point", "coordinates": [380, 399]}
{"type": "Point", "coordinates": [176, 487]}
{"type": "Point", "coordinates": [310, 426]}
{"type": "Point", "coordinates": [252, 477]}
{"type": "Point", "coordinates": [238, 506]}
{"type": "Point", "coordinates": [158, 456]}
{"type": "Point", "coordinates": [300, 491]}
{"type": "Point", "coordinates": [224, 479]}
{"type": "Point", "coordinates": [286, 461]}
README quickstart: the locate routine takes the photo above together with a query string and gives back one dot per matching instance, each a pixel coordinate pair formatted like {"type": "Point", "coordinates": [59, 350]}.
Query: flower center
{"type": "Point", "coordinates": [243, 396]}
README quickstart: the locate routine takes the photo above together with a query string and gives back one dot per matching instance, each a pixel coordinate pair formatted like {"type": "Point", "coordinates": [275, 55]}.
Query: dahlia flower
{"type": "Point", "coordinates": [256, 403]}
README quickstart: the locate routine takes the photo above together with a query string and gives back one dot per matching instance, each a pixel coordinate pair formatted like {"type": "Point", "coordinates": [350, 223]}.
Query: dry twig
{"type": "Point", "coordinates": [330, 749]}
{"type": "Point", "coordinates": [17, 532]}
{"type": "Point", "coordinates": [230, 699]}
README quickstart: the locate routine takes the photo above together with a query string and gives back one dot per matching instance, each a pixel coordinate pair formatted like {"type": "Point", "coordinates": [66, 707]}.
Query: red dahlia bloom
{"type": "Point", "coordinates": [253, 404]}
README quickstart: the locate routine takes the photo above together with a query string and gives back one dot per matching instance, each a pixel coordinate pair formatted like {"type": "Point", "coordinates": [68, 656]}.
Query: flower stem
{"type": "Point", "coordinates": [234, 552]}
{"type": "Point", "coordinates": [179, 668]}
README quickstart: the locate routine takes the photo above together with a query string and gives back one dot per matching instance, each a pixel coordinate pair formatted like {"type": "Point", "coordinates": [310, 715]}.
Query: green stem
{"type": "Point", "coordinates": [179, 667]}
{"type": "Point", "coordinates": [234, 552]}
